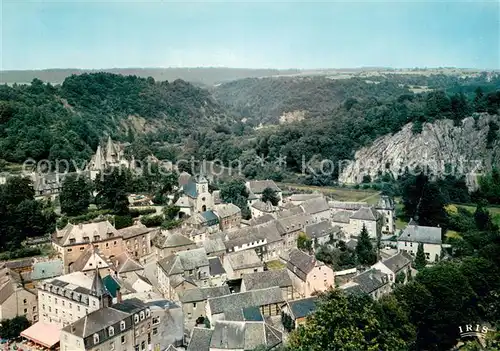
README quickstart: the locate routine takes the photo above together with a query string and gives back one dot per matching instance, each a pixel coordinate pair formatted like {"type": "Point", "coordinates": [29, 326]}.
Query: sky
{"type": "Point", "coordinates": [258, 34]}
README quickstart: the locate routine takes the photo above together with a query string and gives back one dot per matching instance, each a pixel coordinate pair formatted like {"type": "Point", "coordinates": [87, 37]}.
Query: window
{"type": "Point", "coordinates": [143, 345]}
{"type": "Point", "coordinates": [34, 308]}
{"type": "Point", "coordinates": [82, 248]}
{"type": "Point", "coordinates": [93, 303]}
{"type": "Point", "coordinates": [25, 310]}
{"type": "Point", "coordinates": [56, 311]}
{"type": "Point", "coordinates": [55, 300]}
{"type": "Point", "coordinates": [194, 304]}
{"type": "Point", "coordinates": [70, 305]}
{"type": "Point", "coordinates": [63, 302]}
{"type": "Point", "coordinates": [112, 345]}
{"type": "Point", "coordinates": [43, 307]}
{"type": "Point", "coordinates": [96, 339]}
{"type": "Point", "coordinates": [142, 315]}
{"type": "Point", "coordinates": [50, 309]}
{"type": "Point", "coordinates": [111, 331]}
{"type": "Point", "coordinates": [122, 326]}
{"type": "Point", "coordinates": [25, 301]}
{"type": "Point", "coordinates": [69, 250]}
{"type": "Point", "coordinates": [148, 313]}
{"type": "Point", "coordinates": [123, 339]}
{"type": "Point", "coordinates": [155, 331]}
{"type": "Point", "coordinates": [156, 320]}
{"type": "Point", "coordinates": [77, 308]}
{"type": "Point", "coordinates": [136, 318]}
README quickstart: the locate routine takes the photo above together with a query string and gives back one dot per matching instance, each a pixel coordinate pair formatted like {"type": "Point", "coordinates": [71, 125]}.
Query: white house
{"type": "Point", "coordinates": [256, 188]}
{"type": "Point", "coordinates": [415, 234]}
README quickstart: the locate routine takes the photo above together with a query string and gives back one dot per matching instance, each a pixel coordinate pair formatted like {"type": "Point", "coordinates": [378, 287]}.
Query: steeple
{"type": "Point", "coordinates": [98, 289]}
{"type": "Point", "coordinates": [110, 151]}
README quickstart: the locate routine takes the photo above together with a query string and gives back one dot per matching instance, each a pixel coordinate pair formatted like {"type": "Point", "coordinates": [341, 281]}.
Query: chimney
{"type": "Point", "coordinates": [118, 295]}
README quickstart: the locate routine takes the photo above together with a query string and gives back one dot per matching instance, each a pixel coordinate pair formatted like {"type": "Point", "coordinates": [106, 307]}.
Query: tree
{"type": "Point", "coordinates": [171, 212]}
{"type": "Point", "coordinates": [112, 186]}
{"type": "Point", "coordinates": [234, 191]}
{"type": "Point", "coordinates": [12, 328]}
{"type": "Point", "coordinates": [352, 323]}
{"type": "Point", "coordinates": [75, 195]}
{"type": "Point", "coordinates": [480, 101]}
{"type": "Point", "coordinates": [482, 217]}
{"type": "Point", "coordinates": [270, 195]}
{"type": "Point", "coordinates": [304, 243]}
{"type": "Point", "coordinates": [123, 221]}
{"type": "Point", "coordinates": [364, 249]}
{"type": "Point", "coordinates": [420, 261]}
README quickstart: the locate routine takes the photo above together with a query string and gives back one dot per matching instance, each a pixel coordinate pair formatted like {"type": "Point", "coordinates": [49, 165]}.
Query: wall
{"type": "Point", "coordinates": [320, 278]}
{"type": "Point", "coordinates": [431, 250]}
{"type": "Point", "coordinates": [139, 245]}
{"type": "Point", "coordinates": [20, 303]}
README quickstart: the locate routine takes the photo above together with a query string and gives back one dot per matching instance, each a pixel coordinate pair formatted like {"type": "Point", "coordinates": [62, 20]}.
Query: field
{"type": "Point", "coordinates": [275, 265]}
{"type": "Point", "coordinates": [336, 193]}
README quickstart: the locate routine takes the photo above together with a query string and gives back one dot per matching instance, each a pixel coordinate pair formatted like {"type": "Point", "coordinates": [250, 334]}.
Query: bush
{"type": "Point", "coordinates": [170, 224]}
{"type": "Point", "coordinates": [152, 221]}
{"type": "Point", "coordinates": [136, 212]}
{"type": "Point", "coordinates": [123, 221]}
{"type": "Point", "coordinates": [20, 253]}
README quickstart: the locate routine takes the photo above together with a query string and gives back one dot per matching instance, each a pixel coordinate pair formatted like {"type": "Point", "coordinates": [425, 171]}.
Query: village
{"type": "Point", "coordinates": [215, 281]}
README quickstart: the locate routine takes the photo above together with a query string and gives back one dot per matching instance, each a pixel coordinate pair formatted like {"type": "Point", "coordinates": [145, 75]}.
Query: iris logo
{"type": "Point", "coordinates": [473, 330]}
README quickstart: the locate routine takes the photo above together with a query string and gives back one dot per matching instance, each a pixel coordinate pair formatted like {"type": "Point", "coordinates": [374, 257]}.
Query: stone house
{"type": "Point", "coordinates": [387, 209]}
{"type": "Point", "coordinates": [395, 265]}
{"type": "Point", "coordinates": [430, 237]}
{"type": "Point", "coordinates": [308, 274]}
{"type": "Point", "coordinates": [229, 216]}
{"type": "Point", "coordinates": [255, 189]}
{"type": "Point", "coordinates": [371, 282]}
{"type": "Point", "coordinates": [268, 279]}
{"type": "Point", "coordinates": [218, 275]}
{"type": "Point", "coordinates": [137, 240]}
{"type": "Point", "coordinates": [298, 310]}
{"type": "Point", "coordinates": [194, 303]}
{"type": "Point", "coordinates": [368, 217]}
{"type": "Point", "coordinates": [206, 221]}
{"type": "Point", "coordinates": [318, 208]}
{"type": "Point", "coordinates": [125, 265]}
{"type": "Point", "coordinates": [92, 259]}
{"type": "Point", "coordinates": [242, 262]}
{"type": "Point", "coordinates": [15, 298]}
{"type": "Point", "coordinates": [321, 232]}
{"type": "Point", "coordinates": [170, 242]}
{"type": "Point", "coordinates": [259, 209]}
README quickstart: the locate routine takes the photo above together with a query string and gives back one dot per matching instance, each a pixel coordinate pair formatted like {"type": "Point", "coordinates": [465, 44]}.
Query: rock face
{"type": "Point", "coordinates": [440, 149]}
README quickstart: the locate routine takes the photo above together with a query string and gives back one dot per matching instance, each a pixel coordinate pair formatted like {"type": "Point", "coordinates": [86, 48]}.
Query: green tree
{"type": "Point", "coordinates": [420, 261]}
{"type": "Point", "coordinates": [112, 188]}
{"type": "Point", "coordinates": [304, 243]}
{"type": "Point", "coordinates": [364, 249]}
{"type": "Point", "coordinates": [75, 195]}
{"type": "Point", "coordinates": [12, 328]}
{"type": "Point", "coordinates": [482, 217]}
{"type": "Point", "coordinates": [234, 191]}
{"type": "Point", "coordinates": [269, 194]}
{"type": "Point", "coordinates": [171, 212]}
{"type": "Point", "coordinates": [123, 221]}
{"type": "Point", "coordinates": [480, 101]}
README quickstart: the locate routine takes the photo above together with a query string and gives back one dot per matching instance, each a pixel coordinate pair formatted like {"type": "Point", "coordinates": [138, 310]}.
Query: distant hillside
{"type": "Point", "coordinates": [205, 76]}
{"type": "Point", "coordinates": [46, 122]}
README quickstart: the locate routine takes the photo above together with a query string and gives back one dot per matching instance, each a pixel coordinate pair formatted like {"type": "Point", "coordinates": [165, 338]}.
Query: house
{"type": "Point", "coordinates": [231, 307]}
{"type": "Point", "coordinates": [170, 242]}
{"type": "Point", "coordinates": [261, 220]}
{"type": "Point", "coordinates": [183, 270]}
{"type": "Point", "coordinates": [117, 287]}
{"type": "Point", "coordinates": [290, 227]}
{"type": "Point", "coordinates": [290, 211]}
{"type": "Point", "coordinates": [256, 188]}
{"type": "Point", "coordinates": [259, 208]}
{"type": "Point", "coordinates": [47, 269]}
{"type": "Point", "coordinates": [214, 245]}
{"type": "Point", "coordinates": [387, 209]}
{"type": "Point", "coordinates": [137, 240]}
{"type": "Point", "coordinates": [65, 299]}
{"type": "Point", "coordinates": [71, 241]}
{"type": "Point", "coordinates": [206, 221]}
{"type": "Point", "coordinates": [414, 234]}
{"type": "Point", "coordinates": [298, 310]}
{"type": "Point", "coordinates": [351, 207]}
{"type": "Point", "coordinates": [109, 155]}
{"type": "Point", "coordinates": [15, 298]}
{"type": "Point", "coordinates": [371, 282]}
{"type": "Point", "coordinates": [370, 219]}
{"type": "Point", "coordinates": [342, 219]}
{"type": "Point", "coordinates": [92, 259]}
{"type": "Point", "coordinates": [318, 208]}
{"type": "Point", "coordinates": [242, 262]}
{"type": "Point", "coordinates": [196, 196]}
{"type": "Point", "coordinates": [396, 265]}
{"type": "Point", "coordinates": [308, 274]}
{"type": "Point", "coordinates": [229, 216]}
{"type": "Point", "coordinates": [125, 265]}
{"type": "Point", "coordinates": [267, 279]}
{"type": "Point", "coordinates": [265, 239]}
{"type": "Point", "coordinates": [298, 199]}
{"type": "Point", "coordinates": [321, 233]}
{"type": "Point", "coordinates": [194, 303]}
{"type": "Point", "coordinates": [218, 275]}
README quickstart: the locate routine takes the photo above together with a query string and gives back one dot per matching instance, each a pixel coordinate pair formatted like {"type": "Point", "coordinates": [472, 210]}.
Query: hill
{"type": "Point", "coordinates": [46, 122]}
{"type": "Point", "coordinates": [199, 75]}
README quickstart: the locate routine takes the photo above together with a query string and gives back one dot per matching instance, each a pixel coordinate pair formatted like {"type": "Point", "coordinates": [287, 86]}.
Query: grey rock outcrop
{"type": "Point", "coordinates": [441, 148]}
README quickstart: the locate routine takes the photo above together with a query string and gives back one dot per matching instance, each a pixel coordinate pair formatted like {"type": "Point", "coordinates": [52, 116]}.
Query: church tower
{"type": "Point", "coordinates": [99, 291]}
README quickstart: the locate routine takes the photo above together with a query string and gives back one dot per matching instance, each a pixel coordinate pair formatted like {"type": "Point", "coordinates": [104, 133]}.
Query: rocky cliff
{"type": "Point", "coordinates": [440, 148]}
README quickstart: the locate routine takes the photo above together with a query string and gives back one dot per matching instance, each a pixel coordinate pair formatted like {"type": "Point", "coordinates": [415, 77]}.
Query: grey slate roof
{"type": "Point", "coordinates": [201, 294]}
{"type": "Point", "coordinates": [341, 217]}
{"type": "Point", "coordinates": [267, 279]}
{"type": "Point", "coordinates": [171, 239]}
{"type": "Point", "coordinates": [293, 223]}
{"type": "Point", "coordinates": [227, 210]}
{"type": "Point", "coordinates": [263, 206]}
{"type": "Point", "coordinates": [267, 231]}
{"type": "Point", "coordinates": [397, 262]}
{"type": "Point", "coordinates": [366, 214]}
{"type": "Point", "coordinates": [300, 263]}
{"type": "Point", "coordinates": [135, 230]}
{"type": "Point", "coordinates": [248, 335]}
{"type": "Point", "coordinates": [320, 229]}
{"type": "Point", "coordinates": [351, 206]}
{"type": "Point", "coordinates": [292, 211]}
{"type": "Point", "coordinates": [95, 322]}
{"type": "Point", "coordinates": [304, 197]}
{"type": "Point", "coordinates": [200, 339]}
{"type": "Point", "coordinates": [184, 261]}
{"type": "Point", "coordinates": [266, 217]}
{"type": "Point", "coordinates": [125, 262]}
{"type": "Point", "coordinates": [421, 234]}
{"type": "Point", "coordinates": [258, 186]}
{"type": "Point", "coordinates": [213, 245]}
{"type": "Point", "coordinates": [238, 301]}
{"type": "Point", "coordinates": [303, 307]}
{"type": "Point", "coordinates": [215, 266]}
{"type": "Point", "coordinates": [370, 280]}
{"type": "Point", "coordinates": [315, 205]}
{"type": "Point", "coordinates": [244, 259]}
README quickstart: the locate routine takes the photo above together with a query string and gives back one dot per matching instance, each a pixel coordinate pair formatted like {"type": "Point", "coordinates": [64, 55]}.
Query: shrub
{"type": "Point", "coordinates": [152, 221]}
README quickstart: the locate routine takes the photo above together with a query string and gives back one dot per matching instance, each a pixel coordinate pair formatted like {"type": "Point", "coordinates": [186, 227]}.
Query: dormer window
{"type": "Point", "coordinates": [122, 325]}
{"type": "Point", "coordinates": [97, 238]}
{"type": "Point", "coordinates": [72, 241]}
{"type": "Point", "coordinates": [96, 339]}
{"type": "Point", "coordinates": [148, 313]}
{"type": "Point", "coordinates": [136, 318]}
{"type": "Point", "coordinates": [111, 331]}
{"type": "Point", "coordinates": [142, 315]}
{"type": "Point", "coordinates": [86, 238]}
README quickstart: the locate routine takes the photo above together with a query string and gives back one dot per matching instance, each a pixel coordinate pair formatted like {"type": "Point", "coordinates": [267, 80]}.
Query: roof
{"type": "Point", "coordinates": [200, 294]}
{"type": "Point", "coordinates": [216, 197]}
{"type": "Point", "coordinates": [292, 211]}
{"type": "Point", "coordinates": [266, 217]}
{"type": "Point", "coordinates": [421, 234]}
{"type": "Point", "coordinates": [16, 264]}
{"type": "Point", "coordinates": [111, 285]}
{"type": "Point", "coordinates": [227, 210]}
{"type": "Point", "coordinates": [366, 214]}
{"type": "Point", "coordinates": [215, 266]}
{"type": "Point", "coordinates": [370, 280]}
{"type": "Point", "coordinates": [238, 301]}
{"type": "Point", "coordinates": [397, 262]}
{"type": "Point", "coordinates": [320, 229]}
{"type": "Point", "coordinates": [351, 206]}
{"type": "Point", "coordinates": [210, 216]}
{"type": "Point", "coordinates": [315, 205]}
{"type": "Point", "coordinates": [265, 232]}
{"type": "Point", "coordinates": [303, 262]}
{"type": "Point", "coordinates": [90, 259]}
{"type": "Point", "coordinates": [244, 259]}
{"type": "Point", "coordinates": [190, 189]}
{"type": "Point", "coordinates": [96, 321]}
{"type": "Point", "coordinates": [341, 217]}
{"type": "Point", "coordinates": [252, 314]}
{"type": "Point", "coordinates": [303, 307]}
{"type": "Point", "coordinates": [248, 335]}
{"type": "Point", "coordinates": [351, 244]}
{"type": "Point", "coordinates": [184, 261]}
{"type": "Point", "coordinates": [293, 223]}
{"type": "Point", "coordinates": [171, 348]}
{"type": "Point", "coordinates": [213, 245]}
{"type": "Point", "coordinates": [47, 269]}
{"type": "Point", "coordinates": [98, 288]}
{"type": "Point", "coordinates": [135, 230]}
{"type": "Point", "coordinates": [183, 202]}
{"type": "Point", "coordinates": [264, 206]}
{"type": "Point", "coordinates": [304, 197]}
{"type": "Point", "coordinates": [267, 279]}
{"type": "Point", "coordinates": [200, 339]}
{"type": "Point", "coordinates": [258, 186]}
{"type": "Point", "coordinates": [45, 334]}
{"type": "Point", "coordinates": [184, 178]}
{"type": "Point", "coordinates": [75, 234]}
{"type": "Point", "coordinates": [125, 262]}
{"type": "Point", "coordinates": [169, 239]}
